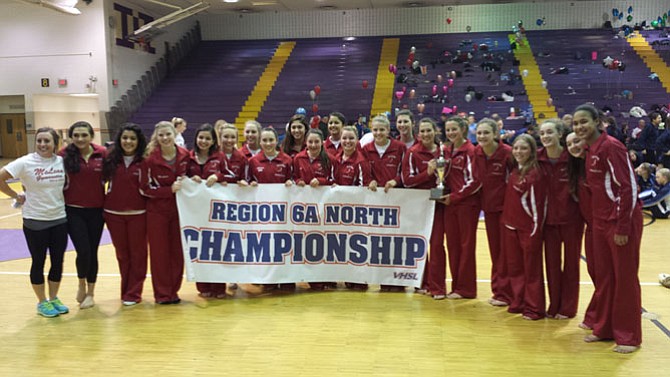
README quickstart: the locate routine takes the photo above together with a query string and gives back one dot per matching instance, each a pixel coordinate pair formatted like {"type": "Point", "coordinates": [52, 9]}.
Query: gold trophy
{"type": "Point", "coordinates": [441, 169]}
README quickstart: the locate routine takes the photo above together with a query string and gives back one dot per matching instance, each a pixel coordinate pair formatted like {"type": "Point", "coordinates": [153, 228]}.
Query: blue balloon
{"type": "Point", "coordinates": [301, 111]}
{"type": "Point", "coordinates": [620, 15]}
{"type": "Point", "coordinates": [630, 9]}
{"type": "Point", "coordinates": [615, 12]}
{"type": "Point", "coordinates": [539, 22]}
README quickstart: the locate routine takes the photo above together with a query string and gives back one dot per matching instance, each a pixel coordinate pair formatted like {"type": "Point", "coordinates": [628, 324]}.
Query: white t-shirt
{"type": "Point", "coordinates": [179, 140]}
{"type": "Point", "coordinates": [43, 180]}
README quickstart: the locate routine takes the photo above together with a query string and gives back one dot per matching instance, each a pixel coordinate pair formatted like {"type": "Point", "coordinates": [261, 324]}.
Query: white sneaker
{"type": "Point", "coordinates": [130, 303]}
{"type": "Point", "coordinates": [664, 279]}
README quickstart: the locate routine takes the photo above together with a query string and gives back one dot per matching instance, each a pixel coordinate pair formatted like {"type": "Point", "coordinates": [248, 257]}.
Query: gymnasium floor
{"type": "Point", "coordinates": [334, 333]}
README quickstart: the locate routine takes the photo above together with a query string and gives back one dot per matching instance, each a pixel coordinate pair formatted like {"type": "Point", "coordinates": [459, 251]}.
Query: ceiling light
{"type": "Point", "coordinates": [230, 1]}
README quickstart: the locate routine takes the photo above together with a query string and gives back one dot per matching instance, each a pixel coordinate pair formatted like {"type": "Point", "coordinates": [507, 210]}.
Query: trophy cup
{"type": "Point", "coordinates": [437, 192]}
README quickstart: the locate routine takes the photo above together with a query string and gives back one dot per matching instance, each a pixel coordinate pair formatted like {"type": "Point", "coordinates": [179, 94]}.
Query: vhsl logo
{"type": "Point", "coordinates": [406, 275]}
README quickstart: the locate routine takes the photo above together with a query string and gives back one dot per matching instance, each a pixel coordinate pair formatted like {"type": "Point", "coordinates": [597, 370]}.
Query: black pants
{"type": "Point", "coordinates": [53, 239]}
{"type": "Point", "coordinates": [85, 228]}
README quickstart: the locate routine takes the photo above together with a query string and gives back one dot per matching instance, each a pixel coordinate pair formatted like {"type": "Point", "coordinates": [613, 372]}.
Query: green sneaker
{"type": "Point", "coordinates": [45, 309]}
{"type": "Point", "coordinates": [59, 306]}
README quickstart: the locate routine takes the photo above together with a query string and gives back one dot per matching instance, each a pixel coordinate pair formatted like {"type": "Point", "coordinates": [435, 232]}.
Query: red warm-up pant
{"type": "Point", "coordinates": [524, 266]}
{"type": "Point", "coordinates": [460, 225]}
{"type": "Point", "coordinates": [499, 279]}
{"type": "Point", "coordinates": [129, 237]}
{"type": "Point", "coordinates": [618, 303]}
{"type": "Point", "coordinates": [167, 259]}
{"type": "Point", "coordinates": [590, 315]}
{"type": "Point", "coordinates": [562, 250]}
{"type": "Point", "coordinates": [435, 276]}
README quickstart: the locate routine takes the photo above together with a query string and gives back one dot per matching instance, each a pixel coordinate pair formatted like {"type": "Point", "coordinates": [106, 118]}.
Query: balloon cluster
{"type": "Point", "coordinates": [617, 15]}
{"type": "Point", "coordinates": [540, 21]}
{"type": "Point", "coordinates": [393, 69]}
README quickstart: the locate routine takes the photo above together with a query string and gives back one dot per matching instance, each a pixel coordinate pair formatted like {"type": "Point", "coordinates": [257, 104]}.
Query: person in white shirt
{"type": "Point", "coordinates": [179, 125]}
{"type": "Point", "coordinates": [44, 221]}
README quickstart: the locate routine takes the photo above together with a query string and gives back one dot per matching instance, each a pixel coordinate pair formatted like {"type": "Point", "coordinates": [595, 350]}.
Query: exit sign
{"type": "Point", "coordinates": [45, 83]}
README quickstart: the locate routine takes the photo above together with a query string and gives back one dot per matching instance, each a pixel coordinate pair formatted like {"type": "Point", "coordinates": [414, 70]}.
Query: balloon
{"type": "Point", "coordinates": [468, 97]}
{"type": "Point", "coordinates": [412, 94]}
{"type": "Point", "coordinates": [445, 89]}
{"type": "Point", "coordinates": [315, 108]}
{"type": "Point", "coordinates": [594, 55]}
{"type": "Point", "coordinates": [301, 111]}
{"type": "Point", "coordinates": [615, 13]}
{"type": "Point", "coordinates": [408, 62]}
{"type": "Point", "coordinates": [312, 94]}
{"type": "Point", "coordinates": [317, 90]}
{"type": "Point", "coordinates": [525, 73]}
{"type": "Point", "coordinates": [415, 64]}
{"type": "Point", "coordinates": [629, 18]}
{"type": "Point", "coordinates": [420, 107]}
{"type": "Point", "coordinates": [439, 78]}
{"type": "Point", "coordinates": [620, 15]}
{"type": "Point", "coordinates": [412, 50]}
{"type": "Point", "coordinates": [449, 21]}
{"type": "Point", "coordinates": [404, 89]}
{"type": "Point", "coordinates": [468, 28]}
{"type": "Point", "coordinates": [453, 74]}
{"type": "Point", "coordinates": [544, 84]}
{"type": "Point", "coordinates": [654, 23]}
{"type": "Point", "coordinates": [434, 90]}
{"type": "Point", "coordinates": [539, 22]}
{"type": "Point", "coordinates": [454, 109]}
{"type": "Point", "coordinates": [550, 101]}
{"type": "Point", "coordinates": [411, 56]}
{"type": "Point", "coordinates": [399, 94]}
{"type": "Point", "coordinates": [630, 9]}
{"type": "Point", "coordinates": [391, 68]}
{"type": "Point", "coordinates": [365, 84]}
{"type": "Point", "coordinates": [450, 82]}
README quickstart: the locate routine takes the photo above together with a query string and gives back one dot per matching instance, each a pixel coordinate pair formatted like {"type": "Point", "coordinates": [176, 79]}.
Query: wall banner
{"type": "Point", "coordinates": [277, 234]}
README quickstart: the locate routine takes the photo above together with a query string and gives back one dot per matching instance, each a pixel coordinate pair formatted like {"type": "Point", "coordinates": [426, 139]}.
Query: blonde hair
{"type": "Point", "coordinates": [352, 129]}
{"type": "Point", "coordinates": [153, 142]}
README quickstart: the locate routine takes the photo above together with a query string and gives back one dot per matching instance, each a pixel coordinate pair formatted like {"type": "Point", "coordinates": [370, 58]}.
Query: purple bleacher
{"type": "Point", "coordinates": [215, 80]}
{"type": "Point", "coordinates": [338, 67]}
{"type": "Point", "coordinates": [211, 83]}
{"type": "Point", "coordinates": [590, 81]}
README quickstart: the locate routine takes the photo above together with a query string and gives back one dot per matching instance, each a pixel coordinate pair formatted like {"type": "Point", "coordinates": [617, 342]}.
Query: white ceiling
{"type": "Point", "coordinates": [218, 6]}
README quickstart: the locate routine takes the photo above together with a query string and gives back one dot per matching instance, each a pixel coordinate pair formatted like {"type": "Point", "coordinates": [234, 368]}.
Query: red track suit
{"type": "Point", "coordinates": [616, 211]}
{"type": "Point", "coordinates": [584, 196]}
{"type": "Point", "coordinates": [167, 258]}
{"type": "Point", "coordinates": [493, 172]}
{"type": "Point", "coordinates": [84, 194]}
{"type": "Point", "coordinates": [213, 165]}
{"type": "Point", "coordinates": [305, 169]}
{"type": "Point", "coordinates": [354, 171]}
{"type": "Point", "coordinates": [276, 170]}
{"type": "Point", "coordinates": [387, 166]}
{"type": "Point", "coordinates": [125, 215]}
{"type": "Point", "coordinates": [235, 168]}
{"type": "Point", "coordinates": [523, 216]}
{"type": "Point", "coordinates": [461, 217]}
{"type": "Point", "coordinates": [331, 148]}
{"type": "Point", "coordinates": [564, 226]}
{"type": "Point", "coordinates": [246, 152]}
{"type": "Point", "coordinates": [415, 175]}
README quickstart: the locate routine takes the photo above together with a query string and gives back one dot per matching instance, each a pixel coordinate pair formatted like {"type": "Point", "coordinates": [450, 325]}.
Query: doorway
{"type": "Point", "coordinates": [13, 135]}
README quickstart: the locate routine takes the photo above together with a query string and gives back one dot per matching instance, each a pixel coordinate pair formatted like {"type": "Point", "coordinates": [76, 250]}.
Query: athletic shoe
{"type": "Point", "coordinates": [664, 279]}
{"type": "Point", "coordinates": [45, 309]}
{"type": "Point", "coordinates": [130, 303]}
{"type": "Point", "coordinates": [59, 306]}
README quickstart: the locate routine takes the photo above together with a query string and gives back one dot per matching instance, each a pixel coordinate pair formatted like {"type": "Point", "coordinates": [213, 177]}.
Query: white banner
{"type": "Point", "coordinates": [277, 234]}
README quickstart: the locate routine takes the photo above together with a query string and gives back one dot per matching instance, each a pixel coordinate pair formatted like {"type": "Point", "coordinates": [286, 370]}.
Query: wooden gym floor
{"type": "Point", "coordinates": [334, 333]}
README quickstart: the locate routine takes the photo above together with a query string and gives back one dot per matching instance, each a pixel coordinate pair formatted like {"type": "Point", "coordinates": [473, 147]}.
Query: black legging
{"type": "Point", "coordinates": [55, 240]}
{"type": "Point", "coordinates": [85, 228]}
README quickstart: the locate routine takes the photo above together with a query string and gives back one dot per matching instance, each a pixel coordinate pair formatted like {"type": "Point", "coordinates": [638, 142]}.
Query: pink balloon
{"type": "Point", "coordinates": [434, 89]}
{"type": "Point", "coordinates": [455, 108]}
{"type": "Point", "coordinates": [391, 68]}
{"type": "Point", "coordinates": [395, 70]}
{"type": "Point", "coordinates": [594, 55]}
{"type": "Point", "coordinates": [450, 82]}
{"type": "Point", "coordinates": [399, 94]}
{"type": "Point", "coordinates": [445, 89]}
{"type": "Point", "coordinates": [404, 89]}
